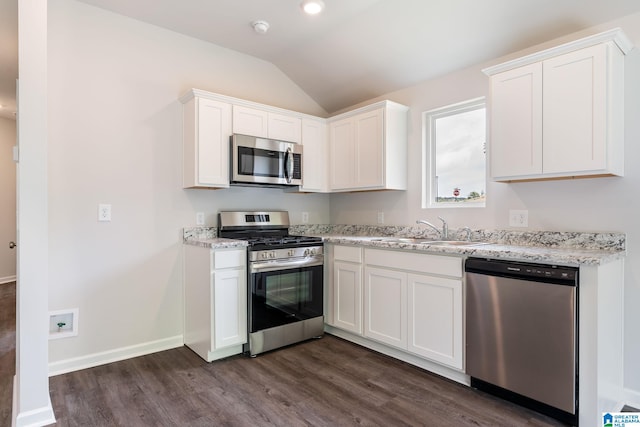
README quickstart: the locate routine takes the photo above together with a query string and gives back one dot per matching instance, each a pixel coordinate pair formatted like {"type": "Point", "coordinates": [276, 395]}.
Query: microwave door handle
{"type": "Point", "coordinates": [288, 165]}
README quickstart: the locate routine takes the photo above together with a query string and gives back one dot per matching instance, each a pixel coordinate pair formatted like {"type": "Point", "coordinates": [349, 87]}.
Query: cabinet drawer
{"type": "Point", "coordinates": [418, 262]}
{"type": "Point", "coordinates": [348, 253]}
{"type": "Point", "coordinates": [228, 258]}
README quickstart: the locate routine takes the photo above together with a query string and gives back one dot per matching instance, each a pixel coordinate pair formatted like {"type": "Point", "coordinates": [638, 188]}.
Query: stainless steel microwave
{"type": "Point", "coordinates": [262, 161]}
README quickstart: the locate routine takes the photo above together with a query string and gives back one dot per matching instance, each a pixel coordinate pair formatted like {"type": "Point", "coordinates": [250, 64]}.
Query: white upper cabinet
{"type": "Point", "coordinates": [206, 133]}
{"type": "Point", "coordinates": [516, 133]}
{"type": "Point", "coordinates": [368, 148]}
{"type": "Point", "coordinates": [265, 124]}
{"type": "Point", "coordinates": [314, 155]}
{"type": "Point", "coordinates": [559, 113]}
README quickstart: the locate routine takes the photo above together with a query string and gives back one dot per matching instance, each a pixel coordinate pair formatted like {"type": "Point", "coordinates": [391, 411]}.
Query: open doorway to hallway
{"type": "Point", "coordinates": [7, 201]}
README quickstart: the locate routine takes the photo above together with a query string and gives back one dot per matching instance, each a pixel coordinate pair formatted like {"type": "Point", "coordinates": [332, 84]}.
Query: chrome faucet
{"type": "Point", "coordinates": [468, 231]}
{"type": "Point", "coordinates": [444, 234]}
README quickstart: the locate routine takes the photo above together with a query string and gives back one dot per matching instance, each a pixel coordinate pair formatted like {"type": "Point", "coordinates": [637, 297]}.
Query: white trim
{"type": "Point", "coordinates": [34, 418]}
{"type": "Point", "coordinates": [615, 35]}
{"type": "Point", "coordinates": [115, 355]}
{"type": "Point", "coordinates": [192, 93]}
{"type": "Point", "coordinates": [429, 182]}
{"type": "Point", "coordinates": [631, 398]}
{"type": "Point", "coordinates": [7, 279]}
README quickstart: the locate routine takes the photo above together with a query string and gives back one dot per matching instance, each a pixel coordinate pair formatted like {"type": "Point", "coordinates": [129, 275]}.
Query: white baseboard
{"type": "Point", "coordinates": [35, 418]}
{"type": "Point", "coordinates": [7, 279]}
{"type": "Point", "coordinates": [632, 398]}
{"type": "Point", "coordinates": [97, 359]}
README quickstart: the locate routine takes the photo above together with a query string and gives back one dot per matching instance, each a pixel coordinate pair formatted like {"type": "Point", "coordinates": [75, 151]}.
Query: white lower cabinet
{"type": "Point", "coordinates": [385, 299]}
{"type": "Point", "coordinates": [435, 318]}
{"type": "Point", "coordinates": [215, 301]}
{"type": "Point", "coordinates": [346, 297]}
{"type": "Point", "coordinates": [410, 301]}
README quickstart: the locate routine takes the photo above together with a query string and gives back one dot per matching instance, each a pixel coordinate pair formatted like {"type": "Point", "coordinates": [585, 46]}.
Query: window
{"type": "Point", "coordinates": [454, 163]}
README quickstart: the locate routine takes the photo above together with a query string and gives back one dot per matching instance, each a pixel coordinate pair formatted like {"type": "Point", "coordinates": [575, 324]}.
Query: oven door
{"type": "Point", "coordinates": [284, 295]}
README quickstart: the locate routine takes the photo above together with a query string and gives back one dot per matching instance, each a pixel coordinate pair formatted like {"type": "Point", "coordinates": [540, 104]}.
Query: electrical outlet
{"type": "Point", "coordinates": [305, 217]}
{"type": "Point", "coordinates": [199, 218]}
{"type": "Point", "coordinates": [104, 212]}
{"type": "Point", "coordinates": [518, 218]}
{"type": "Point", "coordinates": [380, 217]}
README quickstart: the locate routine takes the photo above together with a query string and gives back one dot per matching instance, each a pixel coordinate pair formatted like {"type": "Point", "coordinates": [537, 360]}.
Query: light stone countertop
{"type": "Point", "coordinates": [560, 248]}
{"type": "Point", "coordinates": [536, 254]}
{"type": "Point", "coordinates": [216, 243]}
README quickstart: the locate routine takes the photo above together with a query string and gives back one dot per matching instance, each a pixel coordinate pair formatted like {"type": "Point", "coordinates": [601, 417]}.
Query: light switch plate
{"type": "Point", "coordinates": [305, 217]}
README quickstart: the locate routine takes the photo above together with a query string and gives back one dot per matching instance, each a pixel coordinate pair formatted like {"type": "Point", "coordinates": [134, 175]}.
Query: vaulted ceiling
{"type": "Point", "coordinates": [359, 49]}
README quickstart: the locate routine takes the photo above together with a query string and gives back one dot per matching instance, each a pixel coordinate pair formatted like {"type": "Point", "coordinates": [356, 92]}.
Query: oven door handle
{"type": "Point", "coordinates": [264, 266]}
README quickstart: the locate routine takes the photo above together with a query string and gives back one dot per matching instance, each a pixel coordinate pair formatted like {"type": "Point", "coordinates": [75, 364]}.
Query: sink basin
{"type": "Point", "coordinates": [422, 241]}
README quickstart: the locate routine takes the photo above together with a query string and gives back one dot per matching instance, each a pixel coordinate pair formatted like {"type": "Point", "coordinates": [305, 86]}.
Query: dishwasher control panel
{"type": "Point", "coordinates": [526, 271]}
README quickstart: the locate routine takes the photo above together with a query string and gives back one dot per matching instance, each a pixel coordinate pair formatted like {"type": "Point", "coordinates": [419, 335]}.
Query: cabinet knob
{"type": "Point", "coordinates": [12, 245]}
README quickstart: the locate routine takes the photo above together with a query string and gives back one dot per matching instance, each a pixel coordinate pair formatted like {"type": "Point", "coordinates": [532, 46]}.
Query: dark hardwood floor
{"type": "Point", "coordinates": [325, 382]}
{"type": "Point", "coordinates": [7, 349]}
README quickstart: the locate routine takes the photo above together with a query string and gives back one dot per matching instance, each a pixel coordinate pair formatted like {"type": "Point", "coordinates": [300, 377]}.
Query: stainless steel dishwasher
{"type": "Point", "coordinates": [521, 332]}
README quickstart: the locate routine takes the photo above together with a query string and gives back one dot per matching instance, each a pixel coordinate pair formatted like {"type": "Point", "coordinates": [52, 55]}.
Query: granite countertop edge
{"type": "Point", "coordinates": [216, 243]}
{"type": "Point", "coordinates": [534, 254]}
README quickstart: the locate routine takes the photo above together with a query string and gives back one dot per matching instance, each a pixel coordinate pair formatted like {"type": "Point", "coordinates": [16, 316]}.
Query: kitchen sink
{"type": "Point", "coordinates": [423, 241]}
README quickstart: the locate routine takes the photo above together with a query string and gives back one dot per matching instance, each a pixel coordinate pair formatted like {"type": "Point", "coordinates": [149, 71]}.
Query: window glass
{"type": "Point", "coordinates": [455, 155]}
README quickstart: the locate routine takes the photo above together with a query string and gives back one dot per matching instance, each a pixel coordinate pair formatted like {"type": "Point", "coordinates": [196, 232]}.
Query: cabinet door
{"type": "Point", "coordinates": [342, 154]}
{"type": "Point", "coordinates": [284, 128]}
{"type": "Point", "coordinates": [385, 306]}
{"type": "Point", "coordinates": [369, 149]}
{"type": "Point", "coordinates": [207, 128]}
{"type": "Point", "coordinates": [516, 122]}
{"type": "Point", "coordinates": [314, 155]}
{"type": "Point", "coordinates": [435, 319]}
{"type": "Point", "coordinates": [250, 121]}
{"type": "Point", "coordinates": [575, 111]}
{"type": "Point", "coordinates": [347, 296]}
{"type": "Point", "coordinates": [230, 308]}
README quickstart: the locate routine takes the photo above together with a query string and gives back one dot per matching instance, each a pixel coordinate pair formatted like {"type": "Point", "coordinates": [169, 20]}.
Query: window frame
{"type": "Point", "coordinates": [429, 183]}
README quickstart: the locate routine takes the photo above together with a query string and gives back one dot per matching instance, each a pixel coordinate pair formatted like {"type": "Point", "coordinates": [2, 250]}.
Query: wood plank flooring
{"type": "Point", "coordinates": [325, 382]}
{"type": "Point", "coordinates": [7, 349]}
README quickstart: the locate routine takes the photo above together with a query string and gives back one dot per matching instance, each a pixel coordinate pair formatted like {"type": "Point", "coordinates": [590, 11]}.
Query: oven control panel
{"type": "Point", "coordinates": [285, 253]}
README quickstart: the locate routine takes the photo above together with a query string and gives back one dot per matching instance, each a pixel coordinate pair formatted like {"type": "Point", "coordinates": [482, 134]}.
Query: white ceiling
{"type": "Point", "coordinates": [359, 49]}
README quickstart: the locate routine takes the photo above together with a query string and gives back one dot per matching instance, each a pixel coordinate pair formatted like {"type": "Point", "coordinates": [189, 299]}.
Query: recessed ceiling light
{"type": "Point", "coordinates": [312, 7]}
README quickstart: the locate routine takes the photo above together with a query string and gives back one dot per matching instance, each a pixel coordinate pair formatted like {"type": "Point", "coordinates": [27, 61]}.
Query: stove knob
{"type": "Point", "coordinates": [306, 252]}
{"type": "Point", "coordinates": [265, 255]}
{"type": "Point", "coordinates": [292, 252]}
{"type": "Point", "coordinates": [272, 254]}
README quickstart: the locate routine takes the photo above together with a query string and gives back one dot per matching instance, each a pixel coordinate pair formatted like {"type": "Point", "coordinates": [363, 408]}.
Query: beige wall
{"type": "Point", "coordinates": [115, 137]}
{"type": "Point", "coordinates": [7, 200]}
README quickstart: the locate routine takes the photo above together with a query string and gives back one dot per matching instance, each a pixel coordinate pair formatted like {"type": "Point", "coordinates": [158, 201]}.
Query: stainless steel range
{"type": "Point", "coordinates": [285, 279]}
